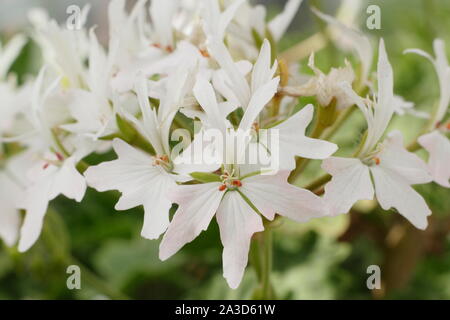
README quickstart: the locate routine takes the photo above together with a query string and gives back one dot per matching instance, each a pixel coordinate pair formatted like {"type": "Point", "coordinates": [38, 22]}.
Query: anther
{"type": "Point", "coordinates": [237, 183]}
{"type": "Point", "coordinates": [59, 156]}
{"type": "Point", "coordinates": [222, 187]}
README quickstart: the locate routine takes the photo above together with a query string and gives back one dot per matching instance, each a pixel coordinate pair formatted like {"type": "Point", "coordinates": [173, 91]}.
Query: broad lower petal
{"type": "Point", "coordinates": [393, 191]}
{"type": "Point", "coordinates": [351, 182]}
{"type": "Point", "coordinates": [237, 222]}
{"type": "Point", "coordinates": [438, 148]}
{"type": "Point", "coordinates": [197, 204]}
{"type": "Point", "coordinates": [272, 194]}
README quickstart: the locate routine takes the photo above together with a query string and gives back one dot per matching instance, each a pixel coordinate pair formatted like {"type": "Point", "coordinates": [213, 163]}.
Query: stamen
{"type": "Point", "coordinates": [204, 53]}
{"type": "Point", "coordinates": [237, 183]}
{"type": "Point", "coordinates": [222, 187]}
{"type": "Point", "coordinates": [377, 160]}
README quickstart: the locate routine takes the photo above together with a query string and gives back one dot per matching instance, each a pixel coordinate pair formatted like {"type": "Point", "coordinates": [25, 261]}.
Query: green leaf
{"type": "Point", "coordinates": [205, 177]}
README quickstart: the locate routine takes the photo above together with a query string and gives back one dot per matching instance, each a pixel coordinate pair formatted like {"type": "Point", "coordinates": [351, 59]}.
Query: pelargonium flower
{"type": "Point", "coordinates": [436, 142]}
{"type": "Point", "coordinates": [389, 165]}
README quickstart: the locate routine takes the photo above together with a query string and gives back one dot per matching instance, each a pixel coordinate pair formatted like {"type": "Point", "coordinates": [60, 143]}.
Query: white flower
{"type": "Point", "coordinates": [9, 53]}
{"type": "Point", "coordinates": [391, 166]}
{"type": "Point", "coordinates": [141, 178]}
{"type": "Point", "coordinates": [326, 87]}
{"type": "Point", "coordinates": [48, 177]}
{"type": "Point", "coordinates": [216, 22]}
{"type": "Point", "coordinates": [347, 39]}
{"type": "Point", "coordinates": [436, 142]}
{"type": "Point", "coordinates": [293, 142]}
{"type": "Point", "coordinates": [51, 166]}
{"type": "Point", "coordinates": [237, 204]}
{"type": "Point", "coordinates": [262, 72]}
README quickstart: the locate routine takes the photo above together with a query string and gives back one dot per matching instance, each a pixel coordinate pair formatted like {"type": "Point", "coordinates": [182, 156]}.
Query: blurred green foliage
{"type": "Point", "coordinates": [311, 261]}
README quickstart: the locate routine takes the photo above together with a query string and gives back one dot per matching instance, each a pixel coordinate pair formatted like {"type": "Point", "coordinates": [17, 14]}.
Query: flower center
{"type": "Point", "coordinates": [229, 181]}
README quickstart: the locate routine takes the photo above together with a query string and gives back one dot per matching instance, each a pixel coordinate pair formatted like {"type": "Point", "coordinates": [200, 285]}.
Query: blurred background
{"type": "Point", "coordinates": [323, 259]}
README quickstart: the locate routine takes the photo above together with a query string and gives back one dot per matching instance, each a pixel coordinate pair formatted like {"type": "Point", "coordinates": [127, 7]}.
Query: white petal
{"type": "Point", "coordinates": [9, 54]}
{"type": "Point", "coordinates": [197, 204]}
{"type": "Point", "coordinates": [9, 213]}
{"type": "Point", "coordinates": [140, 183]}
{"type": "Point", "coordinates": [393, 190]}
{"type": "Point", "coordinates": [259, 100]}
{"type": "Point", "coordinates": [36, 203]}
{"type": "Point", "coordinates": [281, 22]}
{"type": "Point", "coordinates": [68, 181]}
{"type": "Point", "coordinates": [438, 146]}
{"type": "Point", "coordinates": [262, 71]}
{"type": "Point", "coordinates": [204, 93]}
{"type": "Point", "coordinates": [273, 194]}
{"type": "Point", "coordinates": [237, 222]}
{"type": "Point", "coordinates": [293, 142]}
{"type": "Point", "coordinates": [347, 38]}
{"type": "Point", "coordinates": [396, 158]}
{"type": "Point", "coordinates": [239, 84]}
{"type": "Point", "coordinates": [351, 182]}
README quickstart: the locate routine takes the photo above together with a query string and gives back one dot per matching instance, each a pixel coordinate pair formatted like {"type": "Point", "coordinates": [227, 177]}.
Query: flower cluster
{"type": "Point", "coordinates": [170, 64]}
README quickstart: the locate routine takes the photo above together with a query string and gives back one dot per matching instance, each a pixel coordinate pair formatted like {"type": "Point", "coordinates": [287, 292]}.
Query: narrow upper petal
{"type": "Point", "coordinates": [281, 22]}
{"type": "Point", "coordinates": [237, 222]}
{"type": "Point", "coordinates": [293, 142]}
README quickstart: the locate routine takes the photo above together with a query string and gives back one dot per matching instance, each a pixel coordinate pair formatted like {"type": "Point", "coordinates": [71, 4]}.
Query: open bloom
{"type": "Point", "coordinates": [436, 142]}
{"type": "Point", "coordinates": [237, 198]}
{"type": "Point", "coordinates": [392, 168]}
{"type": "Point", "coordinates": [238, 204]}
{"type": "Point", "coordinates": [141, 178]}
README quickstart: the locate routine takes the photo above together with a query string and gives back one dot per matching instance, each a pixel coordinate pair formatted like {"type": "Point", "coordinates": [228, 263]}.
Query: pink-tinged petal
{"type": "Point", "coordinates": [140, 182]}
{"type": "Point", "coordinates": [272, 194]}
{"type": "Point", "coordinates": [197, 204]}
{"type": "Point", "coordinates": [293, 142]}
{"type": "Point", "coordinates": [351, 182]}
{"type": "Point", "coordinates": [438, 146]}
{"type": "Point", "coordinates": [237, 222]}
{"type": "Point", "coordinates": [396, 158]}
{"type": "Point", "coordinates": [393, 191]}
